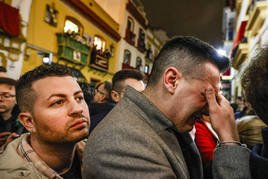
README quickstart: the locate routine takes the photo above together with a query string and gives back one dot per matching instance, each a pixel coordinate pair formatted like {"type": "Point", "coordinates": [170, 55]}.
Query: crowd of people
{"type": "Point", "coordinates": [177, 126]}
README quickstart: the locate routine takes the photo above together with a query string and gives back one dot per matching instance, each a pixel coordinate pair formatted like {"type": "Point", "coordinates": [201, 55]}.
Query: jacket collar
{"type": "Point", "coordinates": [149, 109]}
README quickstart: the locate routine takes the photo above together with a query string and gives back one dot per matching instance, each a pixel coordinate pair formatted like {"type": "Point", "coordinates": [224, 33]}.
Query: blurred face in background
{"type": "Point", "coordinates": [134, 83]}
{"type": "Point", "coordinates": [100, 94]}
{"type": "Point", "coordinates": [7, 98]}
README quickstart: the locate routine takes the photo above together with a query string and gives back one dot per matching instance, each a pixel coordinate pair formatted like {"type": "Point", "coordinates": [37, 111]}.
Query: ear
{"type": "Point", "coordinates": [103, 97]}
{"type": "Point", "coordinates": [171, 79]}
{"type": "Point", "coordinates": [115, 96]}
{"type": "Point", "coordinates": [26, 120]}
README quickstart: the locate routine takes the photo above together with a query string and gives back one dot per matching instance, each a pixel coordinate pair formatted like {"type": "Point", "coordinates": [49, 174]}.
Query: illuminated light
{"type": "Point", "coordinates": [46, 60]}
{"type": "Point", "coordinates": [70, 26]}
{"type": "Point", "coordinates": [99, 43]}
{"type": "Point", "coordinates": [221, 52]}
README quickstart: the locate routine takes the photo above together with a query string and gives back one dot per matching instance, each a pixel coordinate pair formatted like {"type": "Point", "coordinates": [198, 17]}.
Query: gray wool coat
{"type": "Point", "coordinates": [135, 140]}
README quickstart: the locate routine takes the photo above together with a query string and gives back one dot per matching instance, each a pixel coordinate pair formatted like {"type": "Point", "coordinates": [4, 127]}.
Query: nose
{"type": "Point", "coordinates": [75, 108]}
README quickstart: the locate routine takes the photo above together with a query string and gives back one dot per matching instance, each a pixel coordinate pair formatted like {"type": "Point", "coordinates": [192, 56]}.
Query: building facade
{"type": "Point", "coordinates": [139, 45]}
{"type": "Point", "coordinates": [95, 38]}
{"type": "Point", "coordinates": [250, 32]}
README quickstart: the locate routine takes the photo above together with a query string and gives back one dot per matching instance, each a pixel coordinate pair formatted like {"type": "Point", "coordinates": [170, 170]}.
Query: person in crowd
{"type": "Point", "coordinates": [206, 140]}
{"type": "Point", "coordinates": [246, 110]}
{"type": "Point", "coordinates": [10, 127]}
{"type": "Point", "coordinates": [103, 92]}
{"type": "Point", "coordinates": [249, 129]}
{"type": "Point", "coordinates": [56, 115]}
{"type": "Point", "coordinates": [123, 78]}
{"type": "Point", "coordinates": [255, 84]}
{"type": "Point", "coordinates": [87, 91]}
{"type": "Point", "coordinates": [146, 135]}
{"type": "Point", "coordinates": [3, 72]}
{"type": "Point", "coordinates": [240, 103]}
{"type": "Point", "coordinates": [102, 103]}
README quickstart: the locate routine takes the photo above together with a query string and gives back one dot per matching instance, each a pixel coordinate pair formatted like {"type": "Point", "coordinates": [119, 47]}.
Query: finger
{"type": "Point", "coordinates": [3, 139]}
{"type": "Point", "coordinates": [224, 101]}
{"type": "Point", "coordinates": [2, 134]}
{"type": "Point", "coordinates": [211, 98]}
{"type": "Point", "coordinates": [219, 98]}
{"type": "Point", "coordinates": [13, 135]}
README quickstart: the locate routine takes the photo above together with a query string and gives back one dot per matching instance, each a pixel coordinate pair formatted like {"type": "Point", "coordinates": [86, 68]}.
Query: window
{"type": "Point", "coordinates": [138, 63]}
{"type": "Point", "coordinates": [146, 69]}
{"type": "Point", "coordinates": [72, 25]}
{"type": "Point", "coordinates": [130, 24]}
{"type": "Point", "coordinates": [141, 35]}
{"type": "Point", "coordinates": [127, 57]}
{"type": "Point", "coordinates": [99, 43]}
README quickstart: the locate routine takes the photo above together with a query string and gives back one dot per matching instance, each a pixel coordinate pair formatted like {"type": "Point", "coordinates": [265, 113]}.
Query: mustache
{"type": "Point", "coordinates": [79, 115]}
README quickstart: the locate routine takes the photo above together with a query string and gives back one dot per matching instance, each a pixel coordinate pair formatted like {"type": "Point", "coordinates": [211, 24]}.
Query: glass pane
{"type": "Point", "coordinates": [70, 26]}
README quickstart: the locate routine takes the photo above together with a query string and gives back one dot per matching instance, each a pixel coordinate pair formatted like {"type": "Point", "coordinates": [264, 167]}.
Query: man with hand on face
{"type": "Point", "coordinates": [53, 110]}
{"type": "Point", "coordinates": [146, 135]}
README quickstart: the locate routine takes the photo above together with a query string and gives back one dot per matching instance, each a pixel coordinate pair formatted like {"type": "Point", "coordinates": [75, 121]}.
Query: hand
{"type": "Point", "coordinates": [3, 137]}
{"type": "Point", "coordinates": [11, 137]}
{"type": "Point", "coordinates": [221, 116]}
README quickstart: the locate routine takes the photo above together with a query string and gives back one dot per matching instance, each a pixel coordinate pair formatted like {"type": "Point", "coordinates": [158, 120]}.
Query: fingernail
{"type": "Point", "coordinates": [209, 91]}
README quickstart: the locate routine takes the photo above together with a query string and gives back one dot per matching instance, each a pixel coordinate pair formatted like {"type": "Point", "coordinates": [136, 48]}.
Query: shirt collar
{"type": "Point", "coordinates": [27, 153]}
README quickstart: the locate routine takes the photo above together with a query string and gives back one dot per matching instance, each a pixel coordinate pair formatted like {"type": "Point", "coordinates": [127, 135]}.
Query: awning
{"type": "Point", "coordinates": [240, 34]}
{"type": "Point", "coordinates": [9, 19]}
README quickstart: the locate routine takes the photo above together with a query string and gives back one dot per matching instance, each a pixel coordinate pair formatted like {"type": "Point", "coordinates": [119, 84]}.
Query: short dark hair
{"type": "Point", "coordinates": [107, 89]}
{"type": "Point", "coordinates": [120, 76]}
{"type": "Point", "coordinates": [255, 83]}
{"type": "Point", "coordinates": [186, 54]}
{"type": "Point", "coordinates": [25, 95]}
{"type": "Point", "coordinates": [87, 91]}
{"type": "Point", "coordinates": [3, 69]}
{"type": "Point", "coordinates": [8, 81]}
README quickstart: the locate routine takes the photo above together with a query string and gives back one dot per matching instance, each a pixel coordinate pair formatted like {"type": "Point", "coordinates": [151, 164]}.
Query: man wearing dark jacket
{"type": "Point", "coordinates": [10, 127]}
{"type": "Point", "coordinates": [102, 103]}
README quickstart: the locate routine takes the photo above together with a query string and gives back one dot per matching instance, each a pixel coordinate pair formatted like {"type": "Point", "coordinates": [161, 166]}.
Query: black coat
{"type": "Point", "coordinates": [259, 158]}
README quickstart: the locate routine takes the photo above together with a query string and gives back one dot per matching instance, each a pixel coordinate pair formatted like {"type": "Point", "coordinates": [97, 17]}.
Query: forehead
{"type": "Point", "coordinates": [55, 85]}
{"type": "Point", "coordinates": [6, 88]}
{"type": "Point", "coordinates": [101, 86]}
{"type": "Point", "coordinates": [212, 75]}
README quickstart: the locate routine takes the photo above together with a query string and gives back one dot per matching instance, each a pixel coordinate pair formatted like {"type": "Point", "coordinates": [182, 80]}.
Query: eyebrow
{"type": "Point", "coordinates": [62, 95]}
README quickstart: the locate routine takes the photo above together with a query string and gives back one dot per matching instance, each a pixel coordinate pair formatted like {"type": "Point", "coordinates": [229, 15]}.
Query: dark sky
{"type": "Point", "coordinates": [199, 18]}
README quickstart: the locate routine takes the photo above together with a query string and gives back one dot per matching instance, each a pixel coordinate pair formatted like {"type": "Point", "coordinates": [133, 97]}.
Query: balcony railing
{"type": "Point", "coordinates": [72, 50]}
{"type": "Point", "coordinates": [141, 45]}
{"type": "Point", "coordinates": [100, 60]}
{"type": "Point", "coordinates": [130, 37]}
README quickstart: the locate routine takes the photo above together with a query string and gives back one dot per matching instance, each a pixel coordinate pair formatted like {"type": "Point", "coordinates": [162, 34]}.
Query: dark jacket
{"type": "Point", "coordinates": [97, 112]}
{"type": "Point", "coordinates": [259, 158]}
{"type": "Point", "coordinates": [135, 140]}
{"type": "Point", "coordinates": [12, 124]}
